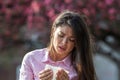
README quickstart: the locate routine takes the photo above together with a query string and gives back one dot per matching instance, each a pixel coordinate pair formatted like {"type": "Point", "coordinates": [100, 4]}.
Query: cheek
{"type": "Point", "coordinates": [55, 41]}
{"type": "Point", "coordinates": [71, 46]}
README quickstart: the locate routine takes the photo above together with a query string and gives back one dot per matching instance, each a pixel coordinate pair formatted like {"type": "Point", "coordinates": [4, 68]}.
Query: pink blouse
{"type": "Point", "coordinates": [35, 61]}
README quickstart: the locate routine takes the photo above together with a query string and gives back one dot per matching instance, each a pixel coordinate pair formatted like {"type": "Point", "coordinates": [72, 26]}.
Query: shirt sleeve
{"type": "Point", "coordinates": [26, 72]}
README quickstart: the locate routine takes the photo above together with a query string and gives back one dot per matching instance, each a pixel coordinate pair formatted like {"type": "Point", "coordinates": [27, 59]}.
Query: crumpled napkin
{"type": "Point", "coordinates": [54, 69]}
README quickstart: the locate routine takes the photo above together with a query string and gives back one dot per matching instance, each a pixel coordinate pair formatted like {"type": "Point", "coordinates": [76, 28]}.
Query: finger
{"type": "Point", "coordinates": [62, 75]}
{"type": "Point", "coordinates": [44, 73]}
{"type": "Point", "coordinates": [49, 77]}
{"type": "Point", "coordinates": [65, 75]}
{"type": "Point", "coordinates": [59, 75]}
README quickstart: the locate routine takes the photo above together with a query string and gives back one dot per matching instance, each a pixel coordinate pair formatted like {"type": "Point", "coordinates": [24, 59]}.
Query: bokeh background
{"type": "Point", "coordinates": [25, 26]}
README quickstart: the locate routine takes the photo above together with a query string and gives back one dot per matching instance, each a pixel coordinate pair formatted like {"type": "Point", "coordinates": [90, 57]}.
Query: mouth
{"type": "Point", "coordinates": [61, 48]}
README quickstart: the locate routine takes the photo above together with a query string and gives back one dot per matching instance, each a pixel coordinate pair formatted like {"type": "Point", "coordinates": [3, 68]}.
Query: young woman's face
{"type": "Point", "coordinates": [63, 40]}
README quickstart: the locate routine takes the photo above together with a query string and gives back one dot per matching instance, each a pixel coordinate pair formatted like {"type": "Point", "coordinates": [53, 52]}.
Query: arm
{"type": "Point", "coordinates": [25, 70]}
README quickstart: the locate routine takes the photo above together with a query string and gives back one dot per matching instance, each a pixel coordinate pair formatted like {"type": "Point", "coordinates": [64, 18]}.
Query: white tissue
{"type": "Point", "coordinates": [54, 69]}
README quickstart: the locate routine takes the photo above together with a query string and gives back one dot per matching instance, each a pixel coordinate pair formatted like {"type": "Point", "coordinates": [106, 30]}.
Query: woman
{"type": "Point", "coordinates": [69, 49]}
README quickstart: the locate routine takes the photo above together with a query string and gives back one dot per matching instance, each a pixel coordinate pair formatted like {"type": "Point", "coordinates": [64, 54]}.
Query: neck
{"type": "Point", "coordinates": [54, 56]}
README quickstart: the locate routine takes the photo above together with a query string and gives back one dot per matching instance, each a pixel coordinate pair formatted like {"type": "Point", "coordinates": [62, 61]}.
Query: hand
{"type": "Point", "coordinates": [62, 75]}
{"type": "Point", "coordinates": [46, 74]}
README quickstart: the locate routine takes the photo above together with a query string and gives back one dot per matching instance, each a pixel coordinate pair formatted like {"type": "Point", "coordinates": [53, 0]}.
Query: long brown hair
{"type": "Point", "coordinates": [81, 55]}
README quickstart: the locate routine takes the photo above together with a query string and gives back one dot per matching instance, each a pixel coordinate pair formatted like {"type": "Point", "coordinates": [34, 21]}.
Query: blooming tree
{"type": "Point", "coordinates": [103, 17]}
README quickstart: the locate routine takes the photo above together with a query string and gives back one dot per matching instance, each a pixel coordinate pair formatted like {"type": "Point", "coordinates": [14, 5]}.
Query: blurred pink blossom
{"type": "Point", "coordinates": [93, 1]}
{"type": "Point", "coordinates": [101, 5]}
{"type": "Point", "coordinates": [68, 1]}
{"type": "Point", "coordinates": [35, 6]}
{"type": "Point", "coordinates": [93, 12]}
{"type": "Point", "coordinates": [36, 13]}
{"type": "Point", "coordinates": [51, 13]}
{"type": "Point", "coordinates": [112, 11]}
{"type": "Point", "coordinates": [86, 11]}
{"type": "Point", "coordinates": [109, 2]}
{"type": "Point", "coordinates": [47, 2]}
{"type": "Point", "coordinates": [79, 3]}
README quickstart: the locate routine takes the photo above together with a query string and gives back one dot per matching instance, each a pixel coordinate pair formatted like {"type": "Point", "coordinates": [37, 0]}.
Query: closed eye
{"type": "Point", "coordinates": [72, 40]}
{"type": "Point", "coordinates": [60, 35]}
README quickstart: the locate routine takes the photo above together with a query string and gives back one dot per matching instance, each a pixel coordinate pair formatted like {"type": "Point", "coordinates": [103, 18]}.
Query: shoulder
{"type": "Point", "coordinates": [35, 54]}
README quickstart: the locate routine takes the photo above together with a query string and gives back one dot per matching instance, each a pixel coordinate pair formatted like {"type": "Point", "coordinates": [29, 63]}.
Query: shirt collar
{"type": "Point", "coordinates": [67, 61]}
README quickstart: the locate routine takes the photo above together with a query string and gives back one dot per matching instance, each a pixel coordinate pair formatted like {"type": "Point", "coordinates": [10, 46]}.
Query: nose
{"type": "Point", "coordinates": [64, 41]}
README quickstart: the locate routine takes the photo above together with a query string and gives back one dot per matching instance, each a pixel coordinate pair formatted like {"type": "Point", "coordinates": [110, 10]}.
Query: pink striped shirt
{"type": "Point", "coordinates": [35, 61]}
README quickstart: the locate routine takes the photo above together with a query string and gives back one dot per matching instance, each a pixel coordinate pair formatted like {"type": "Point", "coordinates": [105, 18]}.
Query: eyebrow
{"type": "Point", "coordinates": [65, 34]}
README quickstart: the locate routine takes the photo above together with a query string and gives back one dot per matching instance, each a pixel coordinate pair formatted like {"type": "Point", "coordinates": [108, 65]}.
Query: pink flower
{"type": "Point", "coordinates": [51, 13]}
{"type": "Point", "coordinates": [79, 3]}
{"type": "Point", "coordinates": [47, 2]}
{"type": "Point", "coordinates": [112, 11]}
{"type": "Point", "coordinates": [68, 1]}
{"type": "Point", "coordinates": [86, 11]}
{"type": "Point", "coordinates": [35, 6]}
{"type": "Point", "coordinates": [93, 12]}
{"type": "Point", "coordinates": [109, 2]}
{"type": "Point", "coordinates": [93, 1]}
{"type": "Point", "coordinates": [101, 5]}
